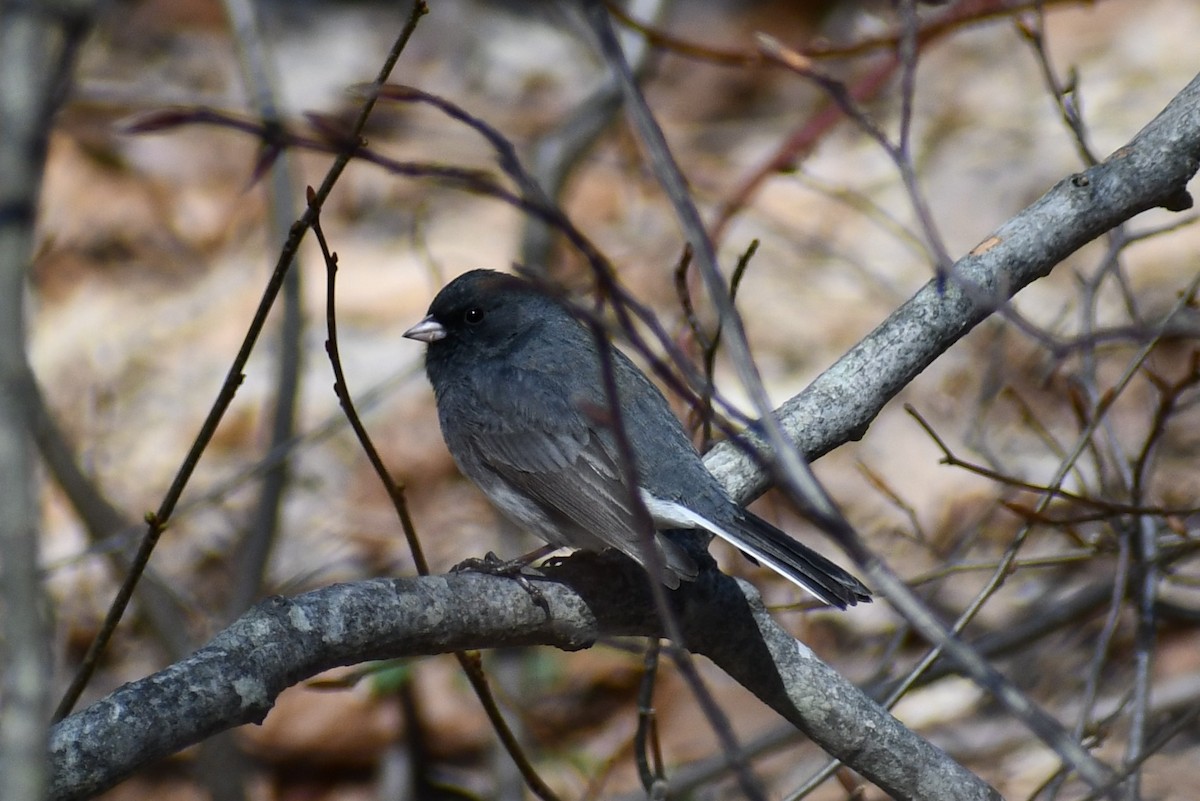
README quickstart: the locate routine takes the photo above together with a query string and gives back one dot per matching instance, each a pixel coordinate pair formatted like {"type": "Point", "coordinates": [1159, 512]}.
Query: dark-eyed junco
{"type": "Point", "coordinates": [521, 398]}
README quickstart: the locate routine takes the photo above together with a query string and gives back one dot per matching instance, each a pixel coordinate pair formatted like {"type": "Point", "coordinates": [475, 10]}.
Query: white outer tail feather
{"type": "Point", "coordinates": [668, 514]}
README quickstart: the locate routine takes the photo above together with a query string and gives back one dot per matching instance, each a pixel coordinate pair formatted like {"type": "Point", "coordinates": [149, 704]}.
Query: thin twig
{"type": "Point", "coordinates": [898, 153]}
{"type": "Point", "coordinates": [157, 521]}
{"type": "Point", "coordinates": [1107, 507]}
{"type": "Point", "coordinates": [647, 748]}
{"type": "Point", "coordinates": [469, 661]}
{"type": "Point", "coordinates": [1065, 95]}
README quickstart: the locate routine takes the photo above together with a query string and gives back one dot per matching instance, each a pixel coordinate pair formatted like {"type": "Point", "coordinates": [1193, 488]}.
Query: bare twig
{"type": "Point", "coordinates": [157, 521]}
{"type": "Point", "coordinates": [799, 144]}
{"type": "Point", "coordinates": [469, 661]}
{"type": "Point", "coordinates": [1065, 95]}
{"type": "Point", "coordinates": [897, 152]}
{"type": "Point", "coordinates": [1104, 506]}
{"type": "Point", "coordinates": [646, 737]}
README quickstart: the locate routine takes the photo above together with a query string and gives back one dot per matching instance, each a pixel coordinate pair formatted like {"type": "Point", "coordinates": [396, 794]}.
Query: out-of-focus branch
{"type": "Point", "coordinates": [253, 552]}
{"type": "Point", "coordinates": [161, 607]}
{"type": "Point", "coordinates": [554, 156]}
{"type": "Point", "coordinates": [38, 47]}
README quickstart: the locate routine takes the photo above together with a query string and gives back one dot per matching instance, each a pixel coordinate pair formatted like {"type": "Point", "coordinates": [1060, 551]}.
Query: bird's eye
{"type": "Point", "coordinates": [473, 316]}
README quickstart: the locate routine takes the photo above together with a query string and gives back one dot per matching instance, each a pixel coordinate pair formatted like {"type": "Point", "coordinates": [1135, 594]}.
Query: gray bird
{"type": "Point", "coordinates": [521, 401]}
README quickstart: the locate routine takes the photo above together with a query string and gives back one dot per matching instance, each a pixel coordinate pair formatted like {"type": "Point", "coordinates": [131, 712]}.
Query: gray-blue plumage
{"type": "Point", "coordinates": [523, 409]}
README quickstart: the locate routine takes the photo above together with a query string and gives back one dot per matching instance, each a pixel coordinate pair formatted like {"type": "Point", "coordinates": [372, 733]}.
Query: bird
{"type": "Point", "coordinates": [521, 393]}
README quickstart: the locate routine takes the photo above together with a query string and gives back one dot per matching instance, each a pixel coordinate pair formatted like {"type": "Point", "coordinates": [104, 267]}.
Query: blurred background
{"type": "Point", "coordinates": [154, 248]}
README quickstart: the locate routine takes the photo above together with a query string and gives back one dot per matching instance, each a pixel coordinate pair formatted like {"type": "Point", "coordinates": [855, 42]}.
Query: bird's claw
{"type": "Point", "coordinates": [493, 565]}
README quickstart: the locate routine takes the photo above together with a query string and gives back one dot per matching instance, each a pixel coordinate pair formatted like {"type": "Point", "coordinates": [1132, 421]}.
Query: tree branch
{"type": "Point", "coordinates": [236, 678]}
{"type": "Point", "coordinates": [1151, 171]}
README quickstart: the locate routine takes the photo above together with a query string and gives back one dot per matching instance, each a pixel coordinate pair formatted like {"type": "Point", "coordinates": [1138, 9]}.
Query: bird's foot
{"type": "Point", "coordinates": [514, 569]}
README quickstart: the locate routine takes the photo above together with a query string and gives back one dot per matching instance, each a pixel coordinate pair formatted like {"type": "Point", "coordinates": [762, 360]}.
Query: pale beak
{"type": "Point", "coordinates": [428, 331]}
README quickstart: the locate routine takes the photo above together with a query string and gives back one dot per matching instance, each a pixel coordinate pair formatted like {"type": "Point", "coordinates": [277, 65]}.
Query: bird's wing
{"type": "Point", "coordinates": [579, 485]}
{"type": "Point", "coordinates": [569, 476]}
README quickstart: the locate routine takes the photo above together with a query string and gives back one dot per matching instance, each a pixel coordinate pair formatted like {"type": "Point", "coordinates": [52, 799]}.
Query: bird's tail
{"type": "Point", "coordinates": [762, 541]}
{"type": "Point", "coordinates": [795, 561]}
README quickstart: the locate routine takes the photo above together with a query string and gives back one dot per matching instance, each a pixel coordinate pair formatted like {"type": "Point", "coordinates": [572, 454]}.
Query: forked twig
{"type": "Point", "coordinates": [469, 661]}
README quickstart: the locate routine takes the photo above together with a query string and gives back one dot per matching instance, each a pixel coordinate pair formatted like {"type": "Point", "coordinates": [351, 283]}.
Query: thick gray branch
{"type": "Point", "coordinates": [1152, 170]}
{"type": "Point", "coordinates": [236, 678]}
